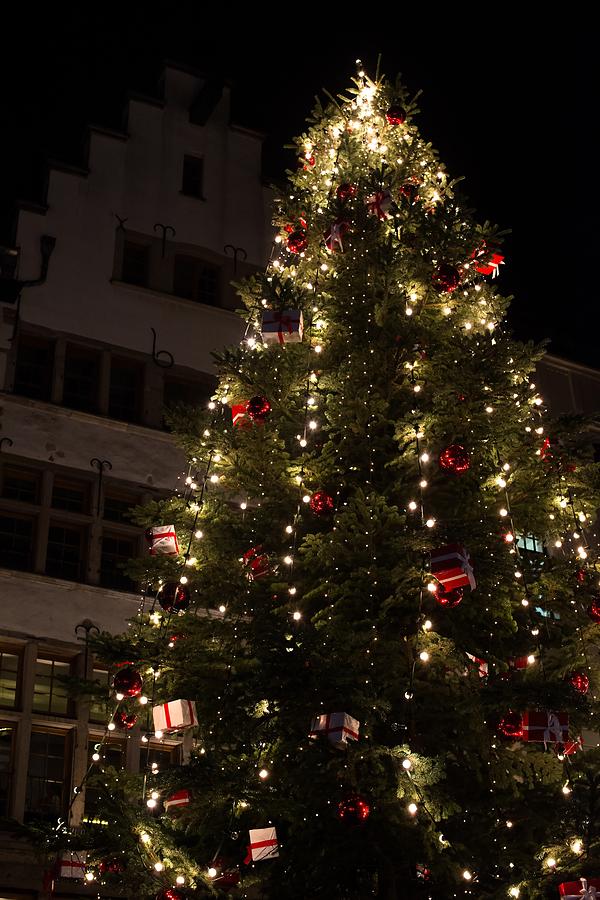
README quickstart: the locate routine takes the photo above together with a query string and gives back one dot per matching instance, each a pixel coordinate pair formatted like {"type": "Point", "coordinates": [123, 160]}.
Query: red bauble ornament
{"type": "Point", "coordinates": [580, 576]}
{"type": "Point", "coordinates": [396, 114]}
{"type": "Point", "coordinates": [321, 503]}
{"type": "Point", "coordinates": [174, 597]}
{"type": "Point", "coordinates": [354, 810]}
{"type": "Point", "coordinates": [346, 191]}
{"type": "Point", "coordinates": [579, 682]}
{"type": "Point", "coordinates": [170, 894]}
{"type": "Point", "coordinates": [511, 725]}
{"type": "Point", "coordinates": [448, 599]}
{"type": "Point", "coordinates": [297, 242]}
{"type": "Point", "coordinates": [124, 720]}
{"type": "Point", "coordinates": [446, 278]}
{"type": "Point", "coordinates": [455, 459]}
{"type": "Point", "coordinates": [593, 610]}
{"type": "Point", "coordinates": [410, 191]}
{"type": "Point", "coordinates": [258, 408]}
{"type": "Point", "coordinates": [128, 682]}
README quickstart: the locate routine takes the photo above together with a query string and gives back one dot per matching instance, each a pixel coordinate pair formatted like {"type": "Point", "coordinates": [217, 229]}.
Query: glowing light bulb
{"type": "Point", "coordinates": [306, 498]}
{"type": "Point", "coordinates": [551, 862]}
{"type": "Point", "coordinates": [264, 773]}
{"type": "Point", "coordinates": [563, 504]}
{"type": "Point", "coordinates": [530, 659]}
{"type": "Point", "coordinates": [288, 560]}
{"type": "Point", "coordinates": [289, 529]}
{"type": "Point", "coordinates": [158, 734]}
{"type": "Point", "coordinates": [145, 837]}
{"type": "Point", "coordinates": [292, 590]}
{"type": "Point", "coordinates": [427, 624]}
{"type": "Point", "coordinates": [180, 880]}
{"type": "Point", "coordinates": [577, 846]}
{"type": "Point", "coordinates": [566, 789]}
{"type": "Point", "coordinates": [417, 388]}
{"type": "Point", "coordinates": [198, 534]}
{"type": "Point", "coordinates": [214, 478]}
{"type": "Point", "coordinates": [111, 726]}
{"type": "Point", "coordinates": [424, 656]}
{"type": "Point", "coordinates": [212, 405]}
{"type": "Point", "coordinates": [412, 808]}
{"type": "Point", "coordinates": [509, 824]}
{"type": "Point", "coordinates": [143, 700]}
{"type": "Point", "coordinates": [89, 876]}
{"type": "Point", "coordinates": [120, 697]}
{"type": "Point", "coordinates": [222, 608]}
{"type": "Point", "coordinates": [430, 523]}
{"type": "Point", "coordinates": [212, 872]}
{"type": "Point", "coordinates": [243, 506]}
{"type": "Point", "coordinates": [509, 538]}
{"type": "Point", "coordinates": [150, 803]}
{"type": "Point", "coordinates": [467, 875]}
{"type": "Point", "coordinates": [558, 543]}
{"type": "Point", "coordinates": [158, 866]}
{"type": "Point", "coordinates": [514, 892]}
{"type": "Point", "coordinates": [297, 616]}
{"type": "Point", "coordinates": [406, 764]}
{"type": "Point", "coordinates": [424, 457]}
{"type": "Point", "coordinates": [503, 512]}
{"type": "Point", "coordinates": [423, 483]}
{"type": "Point", "coordinates": [500, 481]}
{"type": "Point", "coordinates": [312, 424]}
{"type": "Point", "coordinates": [412, 505]}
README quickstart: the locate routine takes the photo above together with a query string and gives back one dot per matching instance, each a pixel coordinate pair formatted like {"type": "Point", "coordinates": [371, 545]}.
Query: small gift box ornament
{"type": "Point", "coordinates": [176, 715]}
{"type": "Point", "coordinates": [583, 889]}
{"type": "Point", "coordinates": [451, 565]}
{"type": "Point", "coordinates": [521, 662]}
{"type": "Point", "coordinates": [379, 203]}
{"type": "Point", "coordinates": [263, 845]}
{"type": "Point", "coordinates": [256, 563]}
{"type": "Point", "coordinates": [338, 727]}
{"type": "Point", "coordinates": [282, 327]}
{"type": "Point", "coordinates": [479, 665]}
{"type": "Point", "coordinates": [545, 726]}
{"type": "Point", "coordinates": [178, 800]}
{"type": "Point", "coordinates": [71, 864]}
{"type": "Point", "coordinates": [162, 540]}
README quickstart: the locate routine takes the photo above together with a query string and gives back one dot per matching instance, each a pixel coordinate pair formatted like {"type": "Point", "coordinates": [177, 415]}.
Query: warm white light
{"type": "Point", "coordinates": [199, 534]}
{"type": "Point", "coordinates": [509, 824]}
{"type": "Point", "coordinates": [576, 846]}
{"type": "Point", "coordinates": [500, 481]}
{"type": "Point", "coordinates": [412, 505]}
{"type": "Point", "coordinates": [143, 700]}
{"type": "Point", "coordinates": [566, 789]}
{"type": "Point", "coordinates": [222, 608]}
{"type": "Point", "coordinates": [582, 553]}
{"type": "Point", "coordinates": [423, 483]}
{"type": "Point", "coordinates": [503, 512]}
{"type": "Point", "coordinates": [514, 892]}
{"type": "Point", "coordinates": [191, 561]}
{"type": "Point", "coordinates": [145, 837]}
{"type": "Point", "coordinates": [551, 862]}
{"type": "Point", "coordinates": [467, 875]}
{"type": "Point", "coordinates": [468, 325]}
{"type": "Point", "coordinates": [430, 523]}
{"type": "Point", "coordinates": [292, 590]}
{"type": "Point", "coordinates": [150, 803]}
{"type": "Point", "coordinates": [303, 442]}
{"type": "Point", "coordinates": [312, 424]}
{"type": "Point", "coordinates": [489, 409]}
{"type": "Point", "coordinates": [427, 624]}
{"type": "Point", "coordinates": [563, 504]}
{"type": "Point", "coordinates": [183, 579]}
{"type": "Point", "coordinates": [120, 697]}
{"type": "Point", "coordinates": [297, 616]}
{"type": "Point", "coordinates": [111, 726]}
{"type": "Point", "coordinates": [506, 467]}
{"type": "Point", "coordinates": [406, 764]}
{"type": "Point", "coordinates": [158, 734]}
{"type": "Point", "coordinates": [558, 543]}
{"type": "Point", "coordinates": [423, 655]}
{"type": "Point", "coordinates": [212, 872]}
{"type": "Point", "coordinates": [412, 808]}
{"type": "Point", "coordinates": [264, 773]}
{"type": "Point", "coordinates": [524, 602]}
{"type": "Point", "coordinates": [509, 538]}
{"type": "Point", "coordinates": [158, 866]}
{"type": "Point", "coordinates": [530, 659]}
{"type": "Point", "coordinates": [289, 529]}
{"type": "Point", "coordinates": [180, 880]}
{"type": "Point", "coordinates": [243, 505]}
{"type": "Point", "coordinates": [288, 560]}
{"type": "Point", "coordinates": [581, 516]}
{"type": "Point", "coordinates": [144, 739]}
{"type": "Point", "coordinates": [425, 457]}
{"type": "Point", "coordinates": [212, 405]}
{"type": "Point", "coordinates": [95, 757]}
{"type": "Point", "coordinates": [89, 876]}
{"type": "Point", "coordinates": [318, 348]}
{"type": "Point", "coordinates": [214, 478]}
{"type": "Point", "coordinates": [417, 388]}
{"type": "Point", "coordinates": [432, 587]}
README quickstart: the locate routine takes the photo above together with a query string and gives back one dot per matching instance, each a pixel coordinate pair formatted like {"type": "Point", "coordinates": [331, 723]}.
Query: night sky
{"type": "Point", "coordinates": [507, 108]}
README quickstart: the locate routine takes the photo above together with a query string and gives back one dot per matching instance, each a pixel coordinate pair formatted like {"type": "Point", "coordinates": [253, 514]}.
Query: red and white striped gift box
{"type": "Point", "coordinates": [174, 715]}
{"type": "Point", "coordinates": [451, 565]}
{"type": "Point", "coordinates": [162, 540]}
{"type": "Point", "coordinates": [338, 727]}
{"type": "Point", "coordinates": [579, 890]}
{"type": "Point", "coordinates": [178, 799]}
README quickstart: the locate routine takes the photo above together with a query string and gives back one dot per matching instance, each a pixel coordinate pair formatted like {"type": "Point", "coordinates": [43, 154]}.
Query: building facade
{"type": "Point", "coordinates": [140, 245]}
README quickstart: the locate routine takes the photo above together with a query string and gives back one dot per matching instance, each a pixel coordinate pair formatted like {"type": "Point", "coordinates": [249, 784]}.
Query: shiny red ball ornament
{"type": "Point", "coordinates": [170, 894]}
{"type": "Point", "coordinates": [174, 597]}
{"type": "Point", "coordinates": [297, 242]}
{"type": "Point", "coordinates": [128, 682]}
{"type": "Point", "coordinates": [321, 503]}
{"type": "Point", "coordinates": [448, 599]}
{"type": "Point", "coordinates": [593, 609]}
{"type": "Point", "coordinates": [258, 408]}
{"type": "Point", "coordinates": [511, 725]}
{"type": "Point", "coordinates": [396, 114]}
{"type": "Point", "coordinates": [455, 459]}
{"type": "Point", "coordinates": [124, 720]}
{"type": "Point", "coordinates": [446, 278]}
{"type": "Point", "coordinates": [579, 682]}
{"type": "Point", "coordinates": [354, 810]}
{"type": "Point", "coordinates": [346, 191]}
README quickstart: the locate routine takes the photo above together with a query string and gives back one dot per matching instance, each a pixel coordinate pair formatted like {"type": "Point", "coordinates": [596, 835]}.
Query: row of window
{"type": "Point", "coordinates": [193, 278]}
{"type": "Point", "coordinates": [75, 380]}
{"type": "Point", "coordinates": [56, 525]}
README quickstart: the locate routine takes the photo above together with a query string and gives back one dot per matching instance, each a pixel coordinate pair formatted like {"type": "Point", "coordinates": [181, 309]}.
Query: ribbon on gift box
{"type": "Point", "coordinates": [191, 710]}
{"type": "Point", "coordinates": [453, 557]}
{"type": "Point", "coordinates": [331, 729]}
{"type": "Point", "coordinates": [545, 726]}
{"type": "Point", "coordinates": [159, 533]}
{"type": "Point", "coordinates": [584, 889]}
{"type": "Point", "coordinates": [379, 203]}
{"type": "Point", "coordinates": [268, 844]}
{"type": "Point", "coordinates": [238, 415]}
{"type": "Point", "coordinates": [179, 798]}
{"type": "Point", "coordinates": [283, 321]}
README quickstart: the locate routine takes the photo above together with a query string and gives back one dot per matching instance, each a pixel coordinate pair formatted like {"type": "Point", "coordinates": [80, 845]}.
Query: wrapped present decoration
{"type": "Point", "coordinates": [451, 565]}
{"type": "Point", "coordinates": [256, 563]}
{"type": "Point", "coordinates": [176, 715]}
{"type": "Point", "coordinates": [178, 799]}
{"type": "Point", "coordinates": [479, 665]}
{"type": "Point", "coordinates": [71, 864]}
{"type": "Point", "coordinates": [238, 415]}
{"type": "Point", "coordinates": [263, 845]}
{"type": "Point", "coordinates": [162, 540]}
{"type": "Point", "coordinates": [521, 662]}
{"type": "Point", "coordinates": [546, 726]}
{"type": "Point", "coordinates": [282, 327]}
{"type": "Point", "coordinates": [583, 889]}
{"type": "Point", "coordinates": [338, 727]}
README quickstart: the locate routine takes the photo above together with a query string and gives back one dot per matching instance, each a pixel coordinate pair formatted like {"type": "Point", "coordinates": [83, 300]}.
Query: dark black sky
{"type": "Point", "coordinates": [508, 107]}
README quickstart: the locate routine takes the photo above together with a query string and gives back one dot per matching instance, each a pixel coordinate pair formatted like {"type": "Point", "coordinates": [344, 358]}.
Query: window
{"type": "Point", "coordinates": [9, 671]}
{"type": "Point", "coordinates": [192, 393]}
{"type": "Point", "coordinates": [21, 484]}
{"type": "Point", "coordinates": [135, 263]}
{"type": "Point", "coordinates": [117, 506]}
{"type": "Point", "coordinates": [161, 756]}
{"type": "Point", "coordinates": [35, 363]}
{"type": "Point", "coordinates": [529, 543]}
{"type": "Point", "coordinates": [6, 736]}
{"type": "Point", "coordinates": [82, 378]}
{"type": "Point", "coordinates": [49, 693]}
{"type": "Point", "coordinates": [196, 280]}
{"type": "Point", "coordinates": [193, 171]}
{"type": "Point", "coordinates": [112, 754]}
{"type": "Point", "coordinates": [64, 552]}
{"type": "Point", "coordinates": [72, 496]}
{"type": "Point", "coordinates": [124, 399]}
{"type": "Point", "coordinates": [46, 794]}
{"type": "Point", "coordinates": [116, 552]}
{"type": "Point", "coordinates": [99, 705]}
{"type": "Point", "coordinates": [16, 542]}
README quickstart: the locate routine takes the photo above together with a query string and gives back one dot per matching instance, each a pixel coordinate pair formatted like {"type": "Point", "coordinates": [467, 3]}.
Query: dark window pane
{"type": "Point", "coordinates": [192, 176]}
{"type": "Point", "coordinates": [16, 543]}
{"type": "Point", "coordinates": [111, 755]}
{"type": "Point", "coordinates": [35, 362]}
{"type": "Point", "coordinates": [9, 670]}
{"type": "Point", "coordinates": [21, 484]}
{"type": "Point", "coordinates": [135, 263]}
{"type": "Point", "coordinates": [125, 396]}
{"type": "Point", "coordinates": [82, 376]}
{"type": "Point", "coordinates": [64, 558]}
{"type": "Point", "coordinates": [117, 506]}
{"type": "Point", "coordinates": [46, 777]}
{"type": "Point", "coordinates": [161, 756]}
{"type": "Point", "coordinates": [49, 693]}
{"type": "Point", "coordinates": [99, 706]}
{"type": "Point", "coordinates": [116, 551]}
{"type": "Point", "coordinates": [6, 733]}
{"type": "Point", "coordinates": [196, 280]}
{"type": "Point", "coordinates": [70, 496]}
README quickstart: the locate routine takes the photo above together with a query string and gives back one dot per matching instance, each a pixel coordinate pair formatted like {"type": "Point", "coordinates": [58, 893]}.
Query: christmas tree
{"type": "Point", "coordinates": [378, 623]}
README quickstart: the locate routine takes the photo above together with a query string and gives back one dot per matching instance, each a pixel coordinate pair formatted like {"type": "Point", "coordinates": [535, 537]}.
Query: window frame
{"type": "Point", "coordinates": [70, 703]}
{"type": "Point", "coordinates": [199, 264]}
{"type": "Point", "coordinates": [67, 735]}
{"type": "Point", "coordinates": [198, 162]}
{"type": "Point", "coordinates": [7, 650]}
